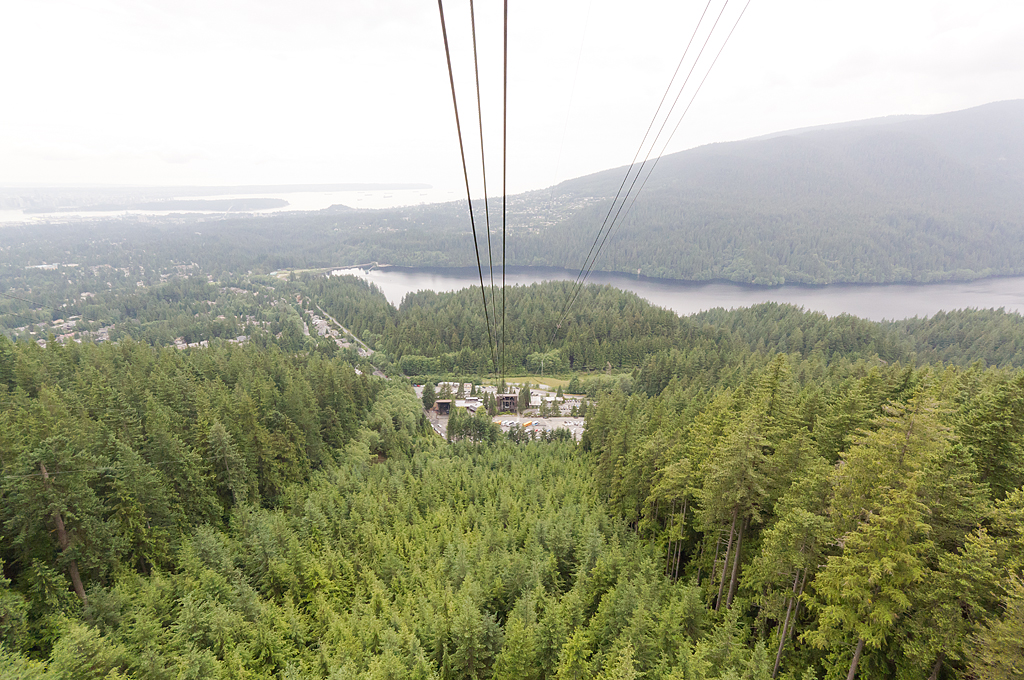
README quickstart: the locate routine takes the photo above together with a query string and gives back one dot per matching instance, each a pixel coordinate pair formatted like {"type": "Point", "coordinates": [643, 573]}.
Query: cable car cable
{"type": "Point", "coordinates": [504, 179]}
{"type": "Point", "coordinates": [19, 315]}
{"type": "Point", "coordinates": [679, 122]}
{"type": "Point", "coordinates": [465, 174]}
{"type": "Point", "coordinates": [636, 177]}
{"type": "Point", "coordinates": [483, 164]}
{"type": "Point", "coordinates": [629, 170]}
{"type": "Point", "coordinates": [674, 130]}
{"type": "Point", "coordinates": [15, 297]}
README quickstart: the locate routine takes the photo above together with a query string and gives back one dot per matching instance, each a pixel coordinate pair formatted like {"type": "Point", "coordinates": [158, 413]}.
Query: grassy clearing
{"type": "Point", "coordinates": [283, 274]}
{"type": "Point", "coordinates": [553, 383]}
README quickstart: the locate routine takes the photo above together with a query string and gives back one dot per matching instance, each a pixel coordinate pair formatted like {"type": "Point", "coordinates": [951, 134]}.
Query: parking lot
{"type": "Point", "coordinates": [509, 420]}
{"type": "Point", "coordinates": [574, 425]}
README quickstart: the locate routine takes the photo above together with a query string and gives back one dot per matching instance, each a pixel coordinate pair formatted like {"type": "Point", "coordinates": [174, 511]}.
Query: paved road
{"type": "Point", "coordinates": [354, 337]}
{"type": "Point", "coordinates": [376, 371]}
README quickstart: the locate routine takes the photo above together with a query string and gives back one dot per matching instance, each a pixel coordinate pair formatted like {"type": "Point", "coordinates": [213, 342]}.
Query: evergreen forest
{"type": "Point", "coordinates": [223, 459]}
{"type": "Point", "coordinates": [757, 494]}
{"type": "Point", "coordinates": [214, 462]}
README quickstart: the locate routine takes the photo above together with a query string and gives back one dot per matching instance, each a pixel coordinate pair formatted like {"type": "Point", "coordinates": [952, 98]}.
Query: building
{"type": "Point", "coordinates": [443, 406]}
{"type": "Point", "coordinates": [471, 404]}
{"type": "Point", "coordinates": [507, 402]}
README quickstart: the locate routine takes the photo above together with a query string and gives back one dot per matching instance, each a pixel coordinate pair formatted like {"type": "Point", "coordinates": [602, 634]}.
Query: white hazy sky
{"type": "Point", "coordinates": [254, 91]}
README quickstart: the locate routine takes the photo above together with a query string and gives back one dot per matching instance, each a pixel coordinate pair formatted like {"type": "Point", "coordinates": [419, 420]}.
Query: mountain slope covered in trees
{"type": "Point", "coordinates": [919, 199]}
{"type": "Point", "coordinates": [912, 199]}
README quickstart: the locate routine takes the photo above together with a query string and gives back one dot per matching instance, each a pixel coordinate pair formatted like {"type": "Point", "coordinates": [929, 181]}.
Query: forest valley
{"type": "Point", "coordinates": [761, 493]}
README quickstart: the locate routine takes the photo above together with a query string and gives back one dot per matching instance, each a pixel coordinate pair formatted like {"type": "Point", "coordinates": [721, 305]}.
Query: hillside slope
{"type": "Point", "coordinates": [912, 199]}
{"type": "Point", "coordinates": [902, 199]}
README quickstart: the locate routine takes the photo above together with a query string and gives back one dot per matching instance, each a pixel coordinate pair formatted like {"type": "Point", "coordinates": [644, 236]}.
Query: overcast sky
{"type": "Point", "coordinates": [254, 91]}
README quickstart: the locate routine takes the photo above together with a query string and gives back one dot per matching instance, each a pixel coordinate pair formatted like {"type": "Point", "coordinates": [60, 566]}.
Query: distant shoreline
{"type": "Point", "coordinates": [226, 205]}
{"type": "Point", "coordinates": [526, 269]}
{"type": "Point", "coordinates": [226, 189]}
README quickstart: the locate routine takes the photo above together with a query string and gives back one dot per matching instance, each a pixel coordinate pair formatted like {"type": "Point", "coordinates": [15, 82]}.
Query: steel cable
{"type": "Point", "coordinates": [465, 174]}
{"type": "Point", "coordinates": [629, 170]}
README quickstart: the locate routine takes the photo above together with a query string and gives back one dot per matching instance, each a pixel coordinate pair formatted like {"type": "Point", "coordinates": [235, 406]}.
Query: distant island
{"type": "Point", "coordinates": [63, 199]}
{"type": "Point", "coordinates": [211, 204]}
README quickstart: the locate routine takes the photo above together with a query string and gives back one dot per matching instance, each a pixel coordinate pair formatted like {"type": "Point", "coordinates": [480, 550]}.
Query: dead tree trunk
{"type": "Point", "coordinates": [785, 625]}
{"type": "Point", "coordinates": [64, 542]}
{"type": "Point", "coordinates": [700, 556]}
{"type": "Point", "coordinates": [856, 660]}
{"type": "Point", "coordinates": [735, 565]}
{"type": "Point", "coordinates": [796, 609]}
{"type": "Point", "coordinates": [679, 541]}
{"type": "Point", "coordinates": [725, 562]}
{"type": "Point", "coordinates": [669, 551]}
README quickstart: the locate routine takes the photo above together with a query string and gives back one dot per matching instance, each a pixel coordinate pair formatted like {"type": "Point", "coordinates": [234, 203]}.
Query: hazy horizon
{"type": "Point", "coordinates": [414, 186]}
{"type": "Point", "coordinates": [198, 95]}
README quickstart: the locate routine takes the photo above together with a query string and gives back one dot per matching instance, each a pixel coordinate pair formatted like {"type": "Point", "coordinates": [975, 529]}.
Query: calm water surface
{"type": "Point", "coordinates": [875, 302]}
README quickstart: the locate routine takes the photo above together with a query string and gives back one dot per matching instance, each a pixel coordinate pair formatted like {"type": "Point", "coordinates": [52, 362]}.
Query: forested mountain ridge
{"type": "Point", "coordinates": [433, 334]}
{"type": "Point", "coordinates": [918, 199]}
{"type": "Point", "coordinates": [986, 140]}
{"type": "Point", "coordinates": [929, 198]}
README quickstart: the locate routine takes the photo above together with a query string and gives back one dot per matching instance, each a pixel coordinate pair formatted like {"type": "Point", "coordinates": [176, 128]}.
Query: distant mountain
{"type": "Point", "coordinates": [918, 198]}
{"type": "Point", "coordinates": [900, 199]}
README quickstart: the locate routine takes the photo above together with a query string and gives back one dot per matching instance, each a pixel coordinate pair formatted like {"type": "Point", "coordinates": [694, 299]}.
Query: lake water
{"type": "Point", "coordinates": [875, 302]}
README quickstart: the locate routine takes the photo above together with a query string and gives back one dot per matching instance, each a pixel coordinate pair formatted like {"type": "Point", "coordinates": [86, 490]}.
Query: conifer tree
{"type": "Point", "coordinates": [233, 472]}
{"type": "Point", "coordinates": [671, 496]}
{"type": "Point", "coordinates": [733, 495]}
{"type": "Point", "coordinates": [524, 398]}
{"type": "Point", "coordinates": [949, 605]}
{"type": "Point", "coordinates": [429, 396]}
{"type": "Point", "coordinates": [518, 657]}
{"type": "Point", "coordinates": [574, 660]}
{"type": "Point", "coordinates": [476, 638]}
{"type": "Point", "coordinates": [998, 651]}
{"type": "Point", "coordinates": [861, 594]}
{"type": "Point", "coordinates": [992, 431]}
{"type": "Point", "coordinates": [792, 548]}
{"type": "Point", "coordinates": [57, 518]}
